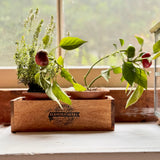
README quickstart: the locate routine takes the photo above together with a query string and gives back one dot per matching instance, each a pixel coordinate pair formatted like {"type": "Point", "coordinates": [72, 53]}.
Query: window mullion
{"type": "Point", "coordinates": [59, 24]}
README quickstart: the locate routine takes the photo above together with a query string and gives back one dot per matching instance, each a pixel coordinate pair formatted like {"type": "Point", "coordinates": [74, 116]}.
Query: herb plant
{"type": "Point", "coordinates": [35, 58]}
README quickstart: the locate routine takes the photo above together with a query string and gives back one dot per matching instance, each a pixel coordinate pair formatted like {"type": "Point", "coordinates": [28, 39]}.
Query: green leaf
{"type": "Point", "coordinates": [60, 94]}
{"type": "Point", "coordinates": [79, 87]}
{"type": "Point", "coordinates": [156, 47]}
{"type": "Point", "coordinates": [121, 42]}
{"type": "Point", "coordinates": [117, 70]}
{"type": "Point", "coordinates": [51, 95]}
{"type": "Point", "coordinates": [37, 78]}
{"type": "Point", "coordinates": [115, 46]}
{"type": "Point", "coordinates": [130, 51]}
{"type": "Point", "coordinates": [140, 77]}
{"type": "Point", "coordinates": [122, 79]}
{"type": "Point", "coordinates": [140, 40]}
{"type": "Point", "coordinates": [65, 74]}
{"type": "Point", "coordinates": [60, 61]}
{"type": "Point", "coordinates": [45, 39]}
{"type": "Point", "coordinates": [155, 56]}
{"type": "Point", "coordinates": [44, 83]}
{"type": "Point", "coordinates": [127, 87]}
{"type": "Point", "coordinates": [134, 96]}
{"type": "Point", "coordinates": [106, 74]}
{"type": "Point", "coordinates": [69, 43]}
{"type": "Point", "coordinates": [128, 72]}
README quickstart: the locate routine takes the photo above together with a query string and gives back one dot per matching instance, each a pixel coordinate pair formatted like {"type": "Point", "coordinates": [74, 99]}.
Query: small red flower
{"type": "Point", "coordinates": [41, 58]}
{"type": "Point", "coordinates": [145, 62]}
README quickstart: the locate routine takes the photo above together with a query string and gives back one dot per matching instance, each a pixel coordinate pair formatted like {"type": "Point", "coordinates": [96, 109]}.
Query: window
{"type": "Point", "coordinates": [100, 22]}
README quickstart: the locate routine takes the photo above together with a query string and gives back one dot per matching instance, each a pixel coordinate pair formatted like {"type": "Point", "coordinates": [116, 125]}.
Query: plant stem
{"type": "Point", "coordinates": [86, 75]}
{"type": "Point", "coordinates": [93, 81]}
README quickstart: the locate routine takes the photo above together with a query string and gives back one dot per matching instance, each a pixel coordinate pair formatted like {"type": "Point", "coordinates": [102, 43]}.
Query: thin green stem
{"type": "Point", "coordinates": [93, 81]}
{"type": "Point", "coordinates": [86, 75]}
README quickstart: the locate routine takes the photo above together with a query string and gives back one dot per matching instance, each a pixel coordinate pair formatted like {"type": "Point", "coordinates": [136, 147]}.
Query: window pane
{"type": "Point", "coordinates": [103, 22]}
{"type": "Point", "coordinates": [12, 17]}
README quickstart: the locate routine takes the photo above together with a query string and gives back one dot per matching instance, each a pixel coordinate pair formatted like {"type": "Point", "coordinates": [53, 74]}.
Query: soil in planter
{"type": "Point", "coordinates": [35, 88]}
{"type": "Point", "coordinates": [35, 92]}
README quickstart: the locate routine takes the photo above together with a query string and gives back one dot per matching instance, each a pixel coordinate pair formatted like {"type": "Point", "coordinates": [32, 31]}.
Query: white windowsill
{"type": "Point", "coordinates": [128, 141]}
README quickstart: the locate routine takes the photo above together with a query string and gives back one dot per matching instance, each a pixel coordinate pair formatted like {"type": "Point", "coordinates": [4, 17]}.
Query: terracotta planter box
{"type": "Point", "coordinates": [46, 115]}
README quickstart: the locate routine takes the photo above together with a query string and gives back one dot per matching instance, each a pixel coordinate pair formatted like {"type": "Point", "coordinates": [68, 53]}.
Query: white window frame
{"type": "Point", "coordinates": [9, 74]}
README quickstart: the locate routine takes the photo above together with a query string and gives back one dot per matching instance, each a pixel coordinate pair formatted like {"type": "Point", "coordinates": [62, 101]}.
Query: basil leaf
{"type": "Point", "coordinates": [69, 43]}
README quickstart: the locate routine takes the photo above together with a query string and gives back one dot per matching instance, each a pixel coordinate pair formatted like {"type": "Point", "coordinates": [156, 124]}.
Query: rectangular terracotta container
{"type": "Point", "coordinates": [46, 115]}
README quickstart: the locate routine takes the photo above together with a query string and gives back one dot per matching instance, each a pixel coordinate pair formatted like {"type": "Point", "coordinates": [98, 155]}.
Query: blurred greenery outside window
{"type": "Point", "coordinates": [12, 15]}
{"type": "Point", "coordinates": [100, 22]}
{"type": "Point", "coordinates": [103, 22]}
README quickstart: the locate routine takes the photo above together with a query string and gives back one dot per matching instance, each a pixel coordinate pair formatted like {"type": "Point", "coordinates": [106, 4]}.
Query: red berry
{"type": "Point", "coordinates": [146, 63]}
{"type": "Point", "coordinates": [41, 58]}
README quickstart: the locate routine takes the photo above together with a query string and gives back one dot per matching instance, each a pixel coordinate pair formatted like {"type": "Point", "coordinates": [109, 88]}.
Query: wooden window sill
{"type": "Point", "coordinates": [129, 141]}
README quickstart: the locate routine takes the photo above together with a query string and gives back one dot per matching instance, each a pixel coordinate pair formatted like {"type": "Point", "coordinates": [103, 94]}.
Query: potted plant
{"type": "Point", "coordinates": [37, 66]}
{"type": "Point", "coordinates": [132, 67]}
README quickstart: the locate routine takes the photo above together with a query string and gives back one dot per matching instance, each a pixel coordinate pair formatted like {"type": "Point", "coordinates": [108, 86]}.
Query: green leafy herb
{"type": "Point", "coordinates": [70, 43]}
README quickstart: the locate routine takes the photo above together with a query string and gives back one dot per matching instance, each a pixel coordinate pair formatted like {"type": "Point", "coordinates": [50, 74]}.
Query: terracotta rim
{"type": "Point", "coordinates": [99, 93]}
{"type": "Point", "coordinates": [35, 95]}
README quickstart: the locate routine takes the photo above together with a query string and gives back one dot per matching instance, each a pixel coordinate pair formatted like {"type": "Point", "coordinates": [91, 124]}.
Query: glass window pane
{"type": "Point", "coordinates": [103, 22]}
{"type": "Point", "coordinates": [12, 17]}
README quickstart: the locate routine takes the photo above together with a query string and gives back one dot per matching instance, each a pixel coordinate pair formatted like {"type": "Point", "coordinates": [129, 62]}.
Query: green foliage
{"type": "Point", "coordinates": [45, 76]}
{"type": "Point", "coordinates": [28, 46]}
{"type": "Point", "coordinates": [140, 41]}
{"type": "Point", "coordinates": [128, 71]}
{"type": "Point", "coordinates": [156, 47]}
{"type": "Point", "coordinates": [137, 93]}
{"type": "Point", "coordinates": [130, 51]}
{"type": "Point", "coordinates": [70, 43]}
{"type": "Point", "coordinates": [131, 68]}
{"type": "Point", "coordinates": [65, 74]}
{"type": "Point", "coordinates": [60, 94]}
{"type": "Point", "coordinates": [121, 42]}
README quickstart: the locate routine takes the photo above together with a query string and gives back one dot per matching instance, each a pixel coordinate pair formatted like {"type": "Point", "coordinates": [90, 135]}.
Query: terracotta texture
{"type": "Point", "coordinates": [97, 93]}
{"type": "Point", "coordinates": [35, 95]}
